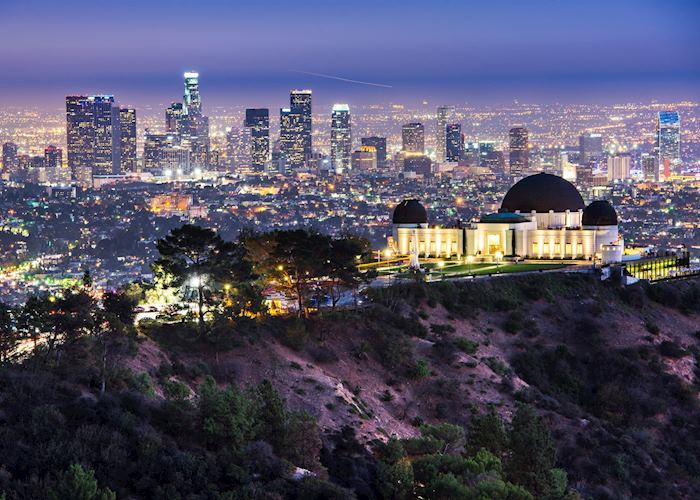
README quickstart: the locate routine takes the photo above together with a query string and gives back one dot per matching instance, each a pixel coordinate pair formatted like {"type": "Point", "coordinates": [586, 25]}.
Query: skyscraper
{"type": "Point", "coordinates": [453, 142]}
{"type": "Point", "coordinates": [341, 138]}
{"type": "Point", "coordinates": [106, 162]}
{"type": "Point", "coordinates": [300, 103]}
{"type": "Point", "coordinates": [379, 144]}
{"type": "Point", "coordinates": [53, 157]}
{"type": "Point", "coordinates": [164, 154]}
{"type": "Point", "coordinates": [173, 118]}
{"type": "Point", "coordinates": [91, 127]}
{"type": "Point", "coordinates": [619, 167]}
{"type": "Point", "coordinates": [127, 140]}
{"type": "Point", "coordinates": [258, 121]}
{"type": "Point", "coordinates": [413, 138]}
{"type": "Point", "coordinates": [590, 148]}
{"type": "Point", "coordinates": [195, 129]}
{"type": "Point", "coordinates": [292, 137]}
{"type": "Point", "coordinates": [10, 162]}
{"type": "Point", "coordinates": [445, 115]}
{"type": "Point", "coordinates": [668, 143]}
{"type": "Point", "coordinates": [238, 150]}
{"type": "Point", "coordinates": [80, 131]}
{"type": "Point", "coordinates": [650, 167]}
{"type": "Point", "coordinates": [519, 156]}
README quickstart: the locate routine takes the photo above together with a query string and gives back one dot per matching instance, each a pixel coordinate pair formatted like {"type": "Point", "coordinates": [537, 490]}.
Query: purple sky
{"type": "Point", "coordinates": [247, 51]}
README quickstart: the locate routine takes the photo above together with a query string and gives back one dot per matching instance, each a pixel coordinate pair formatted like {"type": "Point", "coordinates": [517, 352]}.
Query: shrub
{"type": "Point", "coordinates": [421, 369]}
{"type": "Point", "coordinates": [672, 350]}
{"type": "Point", "coordinates": [466, 345]}
{"type": "Point", "coordinates": [514, 322]}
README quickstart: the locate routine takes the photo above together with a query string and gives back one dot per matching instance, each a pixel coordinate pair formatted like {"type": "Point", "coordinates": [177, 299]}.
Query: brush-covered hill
{"type": "Point", "coordinates": [540, 386]}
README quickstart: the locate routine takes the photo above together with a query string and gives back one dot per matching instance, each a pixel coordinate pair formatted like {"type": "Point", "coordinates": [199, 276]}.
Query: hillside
{"type": "Point", "coordinates": [611, 370]}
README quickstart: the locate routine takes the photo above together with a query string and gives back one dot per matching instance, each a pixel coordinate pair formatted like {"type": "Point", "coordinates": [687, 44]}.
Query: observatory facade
{"type": "Point", "coordinates": [542, 216]}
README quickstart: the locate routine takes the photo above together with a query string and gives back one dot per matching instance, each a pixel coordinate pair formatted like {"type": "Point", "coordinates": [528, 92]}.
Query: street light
{"type": "Point", "coordinates": [441, 266]}
{"type": "Point", "coordinates": [499, 257]}
{"type": "Point", "coordinates": [470, 261]}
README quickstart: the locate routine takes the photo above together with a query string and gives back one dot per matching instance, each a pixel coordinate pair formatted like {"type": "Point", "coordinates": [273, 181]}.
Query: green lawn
{"type": "Point", "coordinates": [476, 269]}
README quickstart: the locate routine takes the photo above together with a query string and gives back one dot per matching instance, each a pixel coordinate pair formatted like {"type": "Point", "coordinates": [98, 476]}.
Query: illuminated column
{"type": "Point", "coordinates": [562, 239]}
{"type": "Point", "coordinates": [551, 238]}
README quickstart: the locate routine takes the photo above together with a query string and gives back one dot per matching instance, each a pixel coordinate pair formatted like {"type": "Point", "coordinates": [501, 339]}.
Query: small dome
{"type": "Point", "coordinates": [410, 212]}
{"type": "Point", "coordinates": [542, 193]}
{"type": "Point", "coordinates": [599, 213]}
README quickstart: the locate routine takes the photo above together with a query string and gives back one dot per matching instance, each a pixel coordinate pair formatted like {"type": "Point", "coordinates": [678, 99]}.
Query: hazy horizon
{"type": "Point", "coordinates": [250, 54]}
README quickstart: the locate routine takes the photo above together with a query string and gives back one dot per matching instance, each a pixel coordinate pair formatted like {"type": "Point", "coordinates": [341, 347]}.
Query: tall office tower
{"type": "Point", "coordinates": [195, 124]}
{"type": "Point", "coordinates": [258, 121]}
{"type": "Point", "coordinates": [619, 167]}
{"type": "Point", "coordinates": [590, 148]}
{"type": "Point", "coordinates": [53, 157]}
{"type": "Point", "coordinates": [127, 140]}
{"type": "Point", "coordinates": [292, 137]}
{"type": "Point", "coordinates": [519, 156]}
{"type": "Point", "coordinates": [173, 118]}
{"type": "Point", "coordinates": [105, 162]}
{"type": "Point", "coordinates": [453, 142]}
{"type": "Point", "coordinates": [80, 129]}
{"type": "Point", "coordinates": [486, 152]}
{"type": "Point", "coordinates": [239, 147]}
{"type": "Point", "coordinates": [668, 144]}
{"type": "Point", "coordinates": [10, 162]}
{"type": "Point", "coordinates": [91, 124]}
{"type": "Point", "coordinates": [163, 154]}
{"type": "Point", "coordinates": [300, 102]}
{"type": "Point", "coordinates": [341, 138]}
{"type": "Point", "coordinates": [413, 138]}
{"type": "Point", "coordinates": [650, 167]}
{"type": "Point", "coordinates": [379, 144]}
{"type": "Point", "coordinates": [445, 115]}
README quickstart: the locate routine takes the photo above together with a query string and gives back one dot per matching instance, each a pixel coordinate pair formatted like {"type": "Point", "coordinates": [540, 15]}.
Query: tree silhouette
{"type": "Point", "coordinates": [198, 258]}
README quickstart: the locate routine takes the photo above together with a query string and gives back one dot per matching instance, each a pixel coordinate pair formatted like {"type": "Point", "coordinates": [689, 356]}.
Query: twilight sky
{"type": "Point", "coordinates": [251, 51]}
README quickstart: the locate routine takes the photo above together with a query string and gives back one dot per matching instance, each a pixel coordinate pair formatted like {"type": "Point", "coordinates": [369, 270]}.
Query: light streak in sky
{"type": "Point", "coordinates": [341, 79]}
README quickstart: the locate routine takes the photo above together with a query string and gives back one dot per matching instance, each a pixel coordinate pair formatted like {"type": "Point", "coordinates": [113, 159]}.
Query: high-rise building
{"type": "Point", "coordinates": [379, 144]}
{"type": "Point", "coordinates": [258, 121]}
{"type": "Point", "coordinates": [173, 118]}
{"type": "Point", "coordinates": [53, 157]}
{"type": "Point", "coordinates": [80, 130]}
{"type": "Point", "coordinates": [668, 144]}
{"type": "Point", "coordinates": [619, 167]}
{"type": "Point", "coordinates": [413, 138]}
{"type": "Point", "coordinates": [417, 163]}
{"type": "Point", "coordinates": [364, 159]}
{"type": "Point", "coordinates": [105, 161]}
{"type": "Point", "coordinates": [650, 167]}
{"type": "Point", "coordinates": [519, 155]}
{"type": "Point", "coordinates": [590, 148]}
{"type": "Point", "coordinates": [239, 150]}
{"type": "Point", "coordinates": [127, 140]}
{"type": "Point", "coordinates": [300, 103]}
{"type": "Point", "coordinates": [195, 126]}
{"type": "Point", "coordinates": [445, 116]}
{"type": "Point", "coordinates": [453, 141]}
{"type": "Point", "coordinates": [292, 137]}
{"type": "Point", "coordinates": [10, 162]}
{"type": "Point", "coordinates": [341, 138]}
{"type": "Point", "coordinates": [91, 127]}
{"type": "Point", "coordinates": [164, 154]}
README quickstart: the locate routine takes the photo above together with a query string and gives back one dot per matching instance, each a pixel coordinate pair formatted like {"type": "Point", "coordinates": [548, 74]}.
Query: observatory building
{"type": "Point", "coordinates": [542, 216]}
